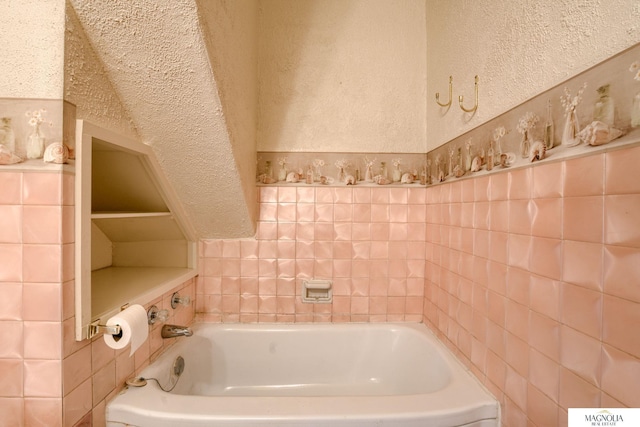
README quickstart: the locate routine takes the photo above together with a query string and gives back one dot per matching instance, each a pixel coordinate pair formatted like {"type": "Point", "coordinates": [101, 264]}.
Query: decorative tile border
{"type": "Point", "coordinates": [613, 72]}
{"type": "Point", "coordinates": [325, 165]}
{"type": "Point", "coordinates": [622, 89]}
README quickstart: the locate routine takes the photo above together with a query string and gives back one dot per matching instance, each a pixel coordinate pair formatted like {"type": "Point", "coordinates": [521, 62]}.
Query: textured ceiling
{"type": "Point", "coordinates": [155, 55]}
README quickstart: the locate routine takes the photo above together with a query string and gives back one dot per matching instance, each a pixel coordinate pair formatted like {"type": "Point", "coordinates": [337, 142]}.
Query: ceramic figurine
{"type": "Point", "coordinates": [599, 133]}
{"type": "Point", "coordinates": [57, 153]}
{"type": "Point", "coordinates": [7, 157]}
{"type": "Point", "coordinates": [381, 180]}
{"type": "Point", "coordinates": [407, 178]}
{"type": "Point", "coordinates": [282, 172]}
{"type": "Point", "coordinates": [350, 180]}
{"type": "Point", "coordinates": [476, 164]}
{"type": "Point", "coordinates": [318, 164]}
{"type": "Point", "coordinates": [571, 125]}
{"type": "Point", "coordinates": [397, 172]}
{"type": "Point", "coordinates": [368, 171]}
{"type": "Point", "coordinates": [538, 151]}
{"type": "Point", "coordinates": [293, 177]}
{"type": "Point", "coordinates": [7, 136]}
{"type": "Point", "coordinates": [525, 125]}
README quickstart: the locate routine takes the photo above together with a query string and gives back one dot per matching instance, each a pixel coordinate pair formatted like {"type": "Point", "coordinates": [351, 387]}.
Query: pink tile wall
{"type": "Point", "coordinates": [34, 244]}
{"type": "Point", "coordinates": [93, 373]}
{"type": "Point", "coordinates": [370, 241]}
{"type": "Point", "coordinates": [532, 278]}
{"type": "Point", "coordinates": [49, 379]}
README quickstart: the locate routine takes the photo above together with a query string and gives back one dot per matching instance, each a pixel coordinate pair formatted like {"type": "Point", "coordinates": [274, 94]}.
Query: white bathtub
{"type": "Point", "coordinates": [308, 375]}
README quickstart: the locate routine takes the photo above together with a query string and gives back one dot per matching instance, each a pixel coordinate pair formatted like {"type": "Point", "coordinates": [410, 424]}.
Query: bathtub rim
{"type": "Point", "coordinates": [441, 408]}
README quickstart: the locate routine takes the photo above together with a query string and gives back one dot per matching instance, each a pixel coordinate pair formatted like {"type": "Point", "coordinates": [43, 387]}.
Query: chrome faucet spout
{"type": "Point", "coordinates": [172, 331]}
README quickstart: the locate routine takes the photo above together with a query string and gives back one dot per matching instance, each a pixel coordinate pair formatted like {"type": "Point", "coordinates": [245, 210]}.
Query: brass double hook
{"type": "Point", "coordinates": [475, 107]}
{"type": "Point", "coordinates": [460, 98]}
{"type": "Point", "coordinates": [450, 92]}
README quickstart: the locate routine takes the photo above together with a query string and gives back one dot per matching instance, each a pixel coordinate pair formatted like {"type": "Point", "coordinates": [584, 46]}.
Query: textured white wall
{"type": "Point", "coordinates": [86, 83]}
{"type": "Point", "coordinates": [342, 76]}
{"type": "Point", "coordinates": [518, 49]}
{"type": "Point", "coordinates": [156, 58]}
{"type": "Point", "coordinates": [32, 39]}
{"type": "Point", "coordinates": [230, 32]}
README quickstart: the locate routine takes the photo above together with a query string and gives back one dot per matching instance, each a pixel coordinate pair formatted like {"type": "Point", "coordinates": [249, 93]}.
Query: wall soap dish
{"type": "Point", "coordinates": [317, 291]}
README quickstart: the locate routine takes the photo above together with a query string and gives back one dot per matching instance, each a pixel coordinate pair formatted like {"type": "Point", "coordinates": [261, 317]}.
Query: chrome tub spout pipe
{"type": "Point", "coordinates": [172, 331]}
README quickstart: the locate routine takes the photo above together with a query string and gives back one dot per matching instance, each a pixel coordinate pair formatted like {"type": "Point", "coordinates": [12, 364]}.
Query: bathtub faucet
{"type": "Point", "coordinates": [171, 331]}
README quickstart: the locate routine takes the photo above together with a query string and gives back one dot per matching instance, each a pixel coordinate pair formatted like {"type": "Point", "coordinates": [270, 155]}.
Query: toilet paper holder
{"type": "Point", "coordinates": [96, 328]}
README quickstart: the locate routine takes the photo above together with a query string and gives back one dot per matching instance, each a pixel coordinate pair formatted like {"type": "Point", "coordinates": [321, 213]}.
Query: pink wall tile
{"type": "Point", "coordinates": [621, 224]}
{"type": "Point", "coordinates": [268, 194]}
{"type": "Point", "coordinates": [583, 219]}
{"type": "Point", "coordinates": [499, 186]}
{"type": "Point", "coordinates": [541, 410]}
{"type": "Point", "coordinates": [583, 264]}
{"type": "Point", "coordinates": [621, 272]}
{"type": "Point", "coordinates": [42, 378]}
{"type": "Point", "coordinates": [11, 255]}
{"type": "Point", "coordinates": [580, 354]}
{"type": "Point", "coordinates": [519, 251]}
{"type": "Point", "coordinates": [11, 380]}
{"type": "Point", "coordinates": [12, 338]}
{"type": "Point", "coordinates": [619, 376]}
{"type": "Point", "coordinates": [584, 176]}
{"type": "Point", "coordinates": [520, 184]}
{"type": "Point", "coordinates": [575, 392]}
{"type": "Point", "coordinates": [42, 189]}
{"type": "Point", "coordinates": [11, 219]}
{"type": "Point", "coordinates": [42, 340]}
{"type": "Point", "coordinates": [42, 301]}
{"type": "Point", "coordinates": [544, 374]}
{"type": "Point", "coordinates": [305, 195]}
{"type": "Point", "coordinates": [547, 218]}
{"type": "Point", "coordinates": [43, 412]}
{"type": "Point", "coordinates": [41, 263]}
{"type": "Point", "coordinates": [481, 189]}
{"type": "Point", "coordinates": [42, 224]}
{"type": "Point", "coordinates": [618, 314]}
{"type": "Point", "coordinates": [546, 257]}
{"type": "Point", "coordinates": [544, 296]}
{"type": "Point", "coordinates": [547, 180]}
{"type": "Point", "coordinates": [77, 404]}
{"type": "Point", "coordinates": [544, 335]}
{"type": "Point", "coordinates": [11, 184]}
{"type": "Point", "coordinates": [12, 410]}
{"type": "Point", "coordinates": [521, 214]}
{"type": "Point", "coordinates": [621, 176]}
{"type": "Point", "coordinates": [76, 369]}
{"type": "Point", "coordinates": [11, 303]}
{"type": "Point", "coordinates": [287, 194]}
{"type": "Point", "coordinates": [582, 309]}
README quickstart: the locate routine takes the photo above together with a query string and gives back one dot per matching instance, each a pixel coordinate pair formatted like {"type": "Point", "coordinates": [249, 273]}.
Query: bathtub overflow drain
{"type": "Point", "coordinates": [136, 382]}
{"type": "Point", "coordinates": [178, 366]}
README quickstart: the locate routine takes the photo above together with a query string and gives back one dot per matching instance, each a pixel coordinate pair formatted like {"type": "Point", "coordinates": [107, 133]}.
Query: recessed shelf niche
{"type": "Point", "coordinates": [133, 242]}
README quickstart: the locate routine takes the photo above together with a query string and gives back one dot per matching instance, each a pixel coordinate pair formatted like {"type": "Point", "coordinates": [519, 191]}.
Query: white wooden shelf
{"type": "Point", "coordinates": [112, 287]}
{"type": "Point", "coordinates": [133, 243]}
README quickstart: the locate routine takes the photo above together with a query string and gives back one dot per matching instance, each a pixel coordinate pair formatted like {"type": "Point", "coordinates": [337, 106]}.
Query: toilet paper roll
{"type": "Point", "coordinates": [133, 328]}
